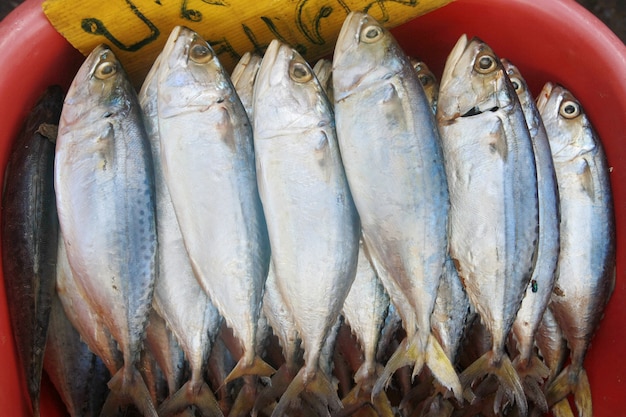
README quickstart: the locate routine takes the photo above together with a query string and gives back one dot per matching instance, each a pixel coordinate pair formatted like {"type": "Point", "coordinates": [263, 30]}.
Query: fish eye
{"type": "Point", "coordinates": [485, 64]}
{"type": "Point", "coordinates": [300, 72]}
{"type": "Point", "coordinates": [200, 52]}
{"type": "Point", "coordinates": [105, 69]}
{"type": "Point", "coordinates": [569, 109]}
{"type": "Point", "coordinates": [517, 84]}
{"type": "Point", "coordinates": [371, 33]}
{"type": "Point", "coordinates": [426, 80]}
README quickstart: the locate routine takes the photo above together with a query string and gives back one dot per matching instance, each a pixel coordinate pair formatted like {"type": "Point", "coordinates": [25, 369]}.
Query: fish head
{"type": "Point", "coordinates": [517, 81]}
{"type": "Point", "coordinates": [570, 132]}
{"type": "Point", "coordinates": [428, 80]}
{"type": "Point", "coordinates": [287, 89]}
{"type": "Point", "coordinates": [473, 82]}
{"type": "Point", "coordinates": [101, 84]}
{"type": "Point", "coordinates": [190, 75]}
{"type": "Point", "coordinates": [365, 54]}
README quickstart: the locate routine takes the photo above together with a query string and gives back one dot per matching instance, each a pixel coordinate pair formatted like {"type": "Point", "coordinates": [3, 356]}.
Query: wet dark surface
{"type": "Point", "coordinates": [611, 12]}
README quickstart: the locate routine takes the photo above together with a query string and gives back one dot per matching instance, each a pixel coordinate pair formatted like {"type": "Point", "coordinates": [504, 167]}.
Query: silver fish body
{"type": "Point", "coordinates": [586, 265]}
{"type": "Point", "coordinates": [394, 165]}
{"type": "Point", "coordinates": [538, 292]}
{"type": "Point", "coordinates": [323, 70]}
{"type": "Point", "coordinates": [312, 223]}
{"type": "Point", "coordinates": [210, 174]}
{"type": "Point", "coordinates": [492, 180]}
{"type": "Point", "coordinates": [106, 207]}
{"type": "Point", "coordinates": [178, 297]}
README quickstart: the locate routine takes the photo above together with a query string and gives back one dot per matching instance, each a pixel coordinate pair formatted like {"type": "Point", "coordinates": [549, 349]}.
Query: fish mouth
{"type": "Point", "coordinates": [475, 111]}
{"type": "Point", "coordinates": [544, 95]}
{"type": "Point", "coordinates": [453, 58]}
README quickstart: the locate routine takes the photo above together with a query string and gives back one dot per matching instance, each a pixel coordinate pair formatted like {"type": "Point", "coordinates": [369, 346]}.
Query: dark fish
{"type": "Point", "coordinates": [29, 235]}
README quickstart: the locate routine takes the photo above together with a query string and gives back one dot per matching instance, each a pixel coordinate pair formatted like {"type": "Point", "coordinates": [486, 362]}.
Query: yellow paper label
{"type": "Point", "coordinates": [136, 30]}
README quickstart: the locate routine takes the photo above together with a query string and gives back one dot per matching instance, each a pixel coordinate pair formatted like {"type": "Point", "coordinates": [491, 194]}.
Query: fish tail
{"type": "Point", "coordinates": [199, 395]}
{"type": "Point", "coordinates": [244, 403]}
{"type": "Point", "coordinates": [128, 387]}
{"type": "Point", "coordinates": [319, 386]}
{"type": "Point", "coordinates": [258, 367]}
{"type": "Point", "coordinates": [562, 409]}
{"type": "Point", "coordinates": [532, 374]}
{"type": "Point", "coordinates": [441, 368]}
{"type": "Point", "coordinates": [572, 381]}
{"type": "Point", "coordinates": [437, 406]}
{"type": "Point", "coordinates": [506, 374]}
{"type": "Point", "coordinates": [280, 382]}
{"type": "Point", "coordinates": [406, 354]}
{"type": "Point", "coordinates": [360, 396]}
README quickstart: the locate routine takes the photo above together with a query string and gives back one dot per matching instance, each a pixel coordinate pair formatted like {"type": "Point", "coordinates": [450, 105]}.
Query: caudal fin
{"type": "Point", "coordinates": [532, 374]}
{"type": "Point", "coordinates": [128, 387]}
{"type": "Point", "coordinates": [361, 396]}
{"type": "Point", "coordinates": [258, 367]}
{"type": "Point", "coordinates": [511, 385]}
{"type": "Point", "coordinates": [188, 395]}
{"type": "Point", "coordinates": [409, 353]}
{"type": "Point", "coordinates": [574, 382]}
{"type": "Point", "coordinates": [319, 387]}
{"type": "Point", "coordinates": [279, 383]}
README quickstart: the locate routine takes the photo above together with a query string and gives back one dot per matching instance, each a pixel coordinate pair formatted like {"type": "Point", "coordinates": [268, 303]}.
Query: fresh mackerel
{"type": "Point", "coordinates": [106, 205]}
{"type": "Point", "coordinates": [492, 179]}
{"type": "Point", "coordinates": [394, 165]}
{"type": "Point", "coordinates": [312, 223]}
{"type": "Point", "coordinates": [207, 159]}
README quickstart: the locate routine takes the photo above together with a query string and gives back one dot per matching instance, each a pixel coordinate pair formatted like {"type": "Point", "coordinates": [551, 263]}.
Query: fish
{"type": "Point", "coordinates": [243, 77]}
{"type": "Point", "coordinates": [29, 236]}
{"type": "Point", "coordinates": [78, 375]}
{"type": "Point", "coordinates": [394, 166]}
{"type": "Point", "coordinates": [492, 178]}
{"type": "Point", "coordinates": [105, 200]}
{"type": "Point", "coordinates": [429, 82]}
{"type": "Point", "coordinates": [586, 266]}
{"type": "Point", "coordinates": [178, 297]}
{"type": "Point", "coordinates": [210, 174]}
{"type": "Point", "coordinates": [312, 223]}
{"type": "Point", "coordinates": [535, 301]}
{"type": "Point", "coordinates": [284, 328]}
{"type": "Point", "coordinates": [323, 70]}
{"type": "Point", "coordinates": [365, 311]}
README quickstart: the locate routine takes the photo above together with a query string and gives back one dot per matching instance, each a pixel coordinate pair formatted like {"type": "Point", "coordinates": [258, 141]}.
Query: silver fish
{"type": "Point", "coordinates": [394, 165]}
{"type": "Point", "coordinates": [83, 317]}
{"type": "Point", "coordinates": [429, 82]}
{"type": "Point", "coordinates": [542, 280]}
{"type": "Point", "coordinates": [178, 296]}
{"type": "Point", "coordinates": [492, 179]}
{"type": "Point", "coordinates": [284, 328]}
{"type": "Point", "coordinates": [29, 236]}
{"type": "Point", "coordinates": [106, 207]}
{"type": "Point", "coordinates": [586, 266]}
{"type": "Point", "coordinates": [323, 70]}
{"type": "Point", "coordinates": [78, 375]}
{"type": "Point", "coordinates": [365, 311]}
{"type": "Point", "coordinates": [243, 77]}
{"type": "Point", "coordinates": [312, 223]}
{"type": "Point", "coordinates": [210, 174]}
